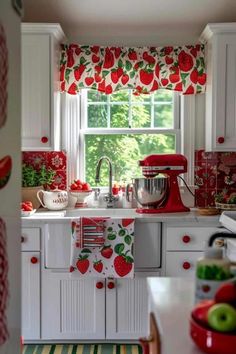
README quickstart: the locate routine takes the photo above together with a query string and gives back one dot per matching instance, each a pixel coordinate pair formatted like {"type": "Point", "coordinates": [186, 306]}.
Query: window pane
{"type": "Point", "coordinates": [141, 98]}
{"type": "Point", "coordinates": [120, 96]}
{"type": "Point", "coordinates": [124, 152]}
{"type": "Point", "coordinates": [163, 116]}
{"type": "Point", "coordinates": [120, 116]}
{"type": "Point", "coordinates": [141, 116]}
{"type": "Point", "coordinates": [96, 96]}
{"type": "Point", "coordinates": [163, 95]}
{"type": "Point", "coordinates": [97, 116]}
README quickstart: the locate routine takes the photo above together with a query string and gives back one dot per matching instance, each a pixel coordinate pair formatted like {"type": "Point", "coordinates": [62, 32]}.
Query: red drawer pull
{"type": "Point", "coordinates": [99, 285]}
{"type": "Point", "coordinates": [186, 238]}
{"type": "Point", "coordinates": [111, 285]}
{"type": "Point", "coordinates": [44, 139]}
{"type": "Point", "coordinates": [186, 265]}
{"type": "Point", "coordinates": [34, 260]}
{"type": "Point", "coordinates": [221, 140]}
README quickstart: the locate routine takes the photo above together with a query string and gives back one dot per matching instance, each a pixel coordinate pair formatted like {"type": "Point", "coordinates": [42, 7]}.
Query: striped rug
{"type": "Point", "coordinates": [82, 349]}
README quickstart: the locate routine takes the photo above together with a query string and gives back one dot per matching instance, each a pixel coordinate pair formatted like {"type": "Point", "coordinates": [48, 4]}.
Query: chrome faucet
{"type": "Point", "coordinates": [109, 198]}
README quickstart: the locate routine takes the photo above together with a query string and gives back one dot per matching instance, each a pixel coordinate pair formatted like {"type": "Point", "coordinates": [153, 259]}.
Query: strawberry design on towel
{"type": "Point", "coordinates": [113, 258]}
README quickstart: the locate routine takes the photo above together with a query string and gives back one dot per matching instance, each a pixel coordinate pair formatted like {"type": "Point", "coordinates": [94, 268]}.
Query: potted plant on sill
{"type": "Point", "coordinates": [33, 180]}
{"type": "Point", "coordinates": [225, 200]}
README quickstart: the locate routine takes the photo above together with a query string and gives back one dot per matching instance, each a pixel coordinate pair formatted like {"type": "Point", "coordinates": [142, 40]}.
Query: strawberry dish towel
{"type": "Point", "coordinates": [102, 247]}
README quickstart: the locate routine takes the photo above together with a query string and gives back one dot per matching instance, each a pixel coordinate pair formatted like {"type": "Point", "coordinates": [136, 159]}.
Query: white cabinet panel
{"type": "Point", "coordinates": [30, 239]}
{"type": "Point", "coordinates": [36, 115]}
{"type": "Point", "coordinates": [72, 309]}
{"type": "Point", "coordinates": [30, 298]}
{"type": "Point", "coordinates": [127, 309]}
{"type": "Point", "coordinates": [181, 264]}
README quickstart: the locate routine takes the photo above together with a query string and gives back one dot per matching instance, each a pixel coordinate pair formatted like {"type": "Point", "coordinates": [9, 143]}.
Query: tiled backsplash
{"type": "Point", "coordinates": [214, 171]}
{"type": "Point", "coordinates": [54, 159]}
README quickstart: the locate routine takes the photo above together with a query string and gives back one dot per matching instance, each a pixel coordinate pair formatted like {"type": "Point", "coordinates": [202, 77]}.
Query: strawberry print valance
{"type": "Point", "coordinates": [144, 70]}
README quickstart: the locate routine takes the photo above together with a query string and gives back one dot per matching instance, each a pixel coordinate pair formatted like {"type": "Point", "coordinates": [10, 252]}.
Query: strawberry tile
{"type": "Point", "coordinates": [35, 158]}
{"type": "Point", "coordinates": [200, 198]}
{"type": "Point", "coordinates": [60, 180]}
{"type": "Point", "coordinates": [56, 160]}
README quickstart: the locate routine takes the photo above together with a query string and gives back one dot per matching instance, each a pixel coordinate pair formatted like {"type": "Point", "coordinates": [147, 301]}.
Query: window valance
{"type": "Point", "coordinates": [142, 69]}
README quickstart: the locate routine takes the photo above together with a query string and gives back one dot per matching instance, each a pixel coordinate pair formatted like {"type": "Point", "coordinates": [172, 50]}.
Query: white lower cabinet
{"type": "Point", "coordinates": [30, 297]}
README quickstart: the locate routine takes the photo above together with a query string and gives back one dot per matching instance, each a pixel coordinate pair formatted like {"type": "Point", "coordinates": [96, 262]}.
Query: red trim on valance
{"type": "Point", "coordinates": [144, 70]}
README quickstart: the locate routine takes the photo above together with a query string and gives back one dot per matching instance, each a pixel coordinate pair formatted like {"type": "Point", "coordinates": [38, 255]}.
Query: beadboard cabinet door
{"type": "Point", "coordinates": [30, 295]}
{"type": "Point", "coordinates": [72, 308]}
{"type": "Point", "coordinates": [127, 309]}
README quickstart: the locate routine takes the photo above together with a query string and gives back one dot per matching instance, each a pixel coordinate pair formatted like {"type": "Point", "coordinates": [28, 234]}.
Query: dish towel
{"type": "Point", "coordinates": [3, 283]}
{"type": "Point", "coordinates": [102, 247]}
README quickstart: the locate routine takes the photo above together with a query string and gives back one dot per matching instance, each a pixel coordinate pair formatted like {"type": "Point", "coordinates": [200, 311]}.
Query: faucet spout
{"type": "Point", "coordinates": [109, 198]}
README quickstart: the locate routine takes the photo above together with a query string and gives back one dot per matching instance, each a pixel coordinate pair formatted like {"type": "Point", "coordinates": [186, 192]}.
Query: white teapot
{"type": "Point", "coordinates": [53, 200]}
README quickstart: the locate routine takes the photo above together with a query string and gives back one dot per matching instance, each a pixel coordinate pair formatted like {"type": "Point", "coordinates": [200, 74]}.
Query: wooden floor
{"type": "Point", "coordinates": [82, 349]}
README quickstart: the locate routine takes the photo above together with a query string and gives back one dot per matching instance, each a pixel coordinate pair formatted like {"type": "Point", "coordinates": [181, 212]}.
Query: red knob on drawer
{"type": "Point", "coordinates": [44, 139]}
{"type": "Point", "coordinates": [186, 265]}
{"type": "Point", "coordinates": [186, 238]}
{"type": "Point", "coordinates": [34, 260]}
{"type": "Point", "coordinates": [22, 239]}
{"type": "Point", "coordinates": [99, 285]}
{"type": "Point", "coordinates": [221, 140]}
{"type": "Point", "coordinates": [111, 285]}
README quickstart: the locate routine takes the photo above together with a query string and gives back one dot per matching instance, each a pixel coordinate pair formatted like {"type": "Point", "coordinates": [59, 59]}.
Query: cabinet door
{"type": "Point", "coordinates": [72, 308]}
{"type": "Point", "coordinates": [127, 309]}
{"type": "Point", "coordinates": [36, 92]}
{"type": "Point", "coordinates": [221, 92]}
{"type": "Point", "coordinates": [30, 295]}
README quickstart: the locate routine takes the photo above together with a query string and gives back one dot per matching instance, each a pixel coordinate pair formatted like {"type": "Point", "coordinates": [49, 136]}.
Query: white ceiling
{"type": "Point", "coordinates": [131, 22]}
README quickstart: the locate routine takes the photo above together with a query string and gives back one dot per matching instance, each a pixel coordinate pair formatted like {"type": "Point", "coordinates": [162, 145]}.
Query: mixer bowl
{"type": "Point", "coordinates": [150, 192]}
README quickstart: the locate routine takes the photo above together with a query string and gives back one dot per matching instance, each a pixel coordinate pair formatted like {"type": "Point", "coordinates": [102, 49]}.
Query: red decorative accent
{"type": "Point", "coordinates": [186, 265]}
{"type": "Point", "coordinates": [221, 140]}
{"type": "Point", "coordinates": [34, 260]}
{"type": "Point", "coordinates": [111, 285]}
{"type": "Point", "coordinates": [99, 285]}
{"type": "Point", "coordinates": [186, 239]}
{"type": "Point", "coordinates": [44, 139]}
{"type": "Point", "coordinates": [145, 345]}
{"type": "Point", "coordinates": [22, 239]}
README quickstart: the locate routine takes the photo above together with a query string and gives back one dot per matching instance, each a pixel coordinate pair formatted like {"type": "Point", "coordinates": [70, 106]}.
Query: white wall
{"type": "Point", "coordinates": [10, 195]}
{"type": "Point", "coordinates": [200, 122]}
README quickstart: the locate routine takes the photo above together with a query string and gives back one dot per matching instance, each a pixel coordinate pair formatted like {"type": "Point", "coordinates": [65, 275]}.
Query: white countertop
{"type": "Point", "coordinates": [171, 301]}
{"type": "Point", "coordinates": [192, 216]}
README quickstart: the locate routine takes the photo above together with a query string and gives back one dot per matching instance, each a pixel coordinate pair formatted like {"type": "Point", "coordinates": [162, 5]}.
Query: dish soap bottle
{"type": "Point", "coordinates": [211, 270]}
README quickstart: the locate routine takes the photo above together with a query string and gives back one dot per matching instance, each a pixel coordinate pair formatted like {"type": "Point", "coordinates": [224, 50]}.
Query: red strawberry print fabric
{"type": "Point", "coordinates": [4, 283]}
{"type": "Point", "coordinates": [114, 258]}
{"type": "Point", "coordinates": [3, 76]}
{"type": "Point", "coordinates": [142, 69]}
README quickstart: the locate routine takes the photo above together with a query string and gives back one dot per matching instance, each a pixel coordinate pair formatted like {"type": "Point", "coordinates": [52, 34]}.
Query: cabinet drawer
{"type": "Point", "coordinates": [188, 238]}
{"type": "Point", "coordinates": [181, 264]}
{"type": "Point", "coordinates": [30, 239]}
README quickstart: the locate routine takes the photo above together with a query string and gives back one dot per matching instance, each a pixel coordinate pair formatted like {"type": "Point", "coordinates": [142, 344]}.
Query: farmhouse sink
{"type": "Point", "coordinates": [101, 212]}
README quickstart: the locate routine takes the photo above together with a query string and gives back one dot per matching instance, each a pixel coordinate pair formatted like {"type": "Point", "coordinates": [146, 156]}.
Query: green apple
{"type": "Point", "coordinates": [222, 317]}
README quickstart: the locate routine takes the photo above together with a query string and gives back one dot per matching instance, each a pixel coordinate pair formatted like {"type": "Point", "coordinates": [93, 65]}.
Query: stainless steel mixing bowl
{"type": "Point", "coordinates": [150, 192]}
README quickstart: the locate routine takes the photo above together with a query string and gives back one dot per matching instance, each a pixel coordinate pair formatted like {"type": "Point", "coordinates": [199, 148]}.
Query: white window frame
{"type": "Point", "coordinates": [185, 138]}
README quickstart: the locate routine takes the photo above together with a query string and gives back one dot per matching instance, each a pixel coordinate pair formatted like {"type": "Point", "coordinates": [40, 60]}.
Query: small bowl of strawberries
{"type": "Point", "coordinates": [27, 208]}
{"type": "Point", "coordinates": [80, 190]}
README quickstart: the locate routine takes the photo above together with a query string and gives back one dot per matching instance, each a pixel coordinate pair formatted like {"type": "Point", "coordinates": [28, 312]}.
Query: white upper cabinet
{"type": "Point", "coordinates": [220, 42]}
{"type": "Point", "coordinates": [41, 86]}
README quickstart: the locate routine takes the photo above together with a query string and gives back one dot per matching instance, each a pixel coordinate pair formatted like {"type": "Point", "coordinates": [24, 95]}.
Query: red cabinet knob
{"type": "Point", "coordinates": [186, 265]}
{"type": "Point", "coordinates": [99, 285]}
{"type": "Point", "coordinates": [34, 260]}
{"type": "Point", "coordinates": [221, 140]}
{"type": "Point", "coordinates": [111, 285]}
{"type": "Point", "coordinates": [44, 139]}
{"type": "Point", "coordinates": [186, 238]}
{"type": "Point", "coordinates": [22, 239]}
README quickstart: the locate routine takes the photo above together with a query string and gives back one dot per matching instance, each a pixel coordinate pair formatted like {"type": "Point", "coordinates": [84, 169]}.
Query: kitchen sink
{"type": "Point", "coordinates": [101, 212]}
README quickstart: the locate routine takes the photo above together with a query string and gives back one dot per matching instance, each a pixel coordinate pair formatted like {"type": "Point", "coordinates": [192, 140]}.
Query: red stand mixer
{"type": "Point", "coordinates": [169, 199]}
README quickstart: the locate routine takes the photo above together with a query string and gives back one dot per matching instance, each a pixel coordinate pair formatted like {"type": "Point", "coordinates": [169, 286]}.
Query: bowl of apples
{"type": "Point", "coordinates": [213, 322]}
{"type": "Point", "coordinates": [80, 190]}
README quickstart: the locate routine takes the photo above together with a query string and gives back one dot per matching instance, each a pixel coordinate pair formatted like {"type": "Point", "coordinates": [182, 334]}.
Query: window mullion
{"type": "Point", "coordinates": [152, 111]}
{"type": "Point", "coordinates": [130, 109]}
{"type": "Point", "coordinates": [108, 111]}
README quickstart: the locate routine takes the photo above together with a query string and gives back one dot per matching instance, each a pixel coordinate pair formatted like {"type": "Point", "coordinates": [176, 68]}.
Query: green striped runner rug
{"type": "Point", "coordinates": [82, 349]}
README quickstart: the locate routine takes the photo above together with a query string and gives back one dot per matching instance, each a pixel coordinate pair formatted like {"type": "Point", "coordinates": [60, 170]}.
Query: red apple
{"type": "Point", "coordinates": [226, 293]}
{"type": "Point", "coordinates": [86, 187]}
{"type": "Point", "coordinates": [199, 312]}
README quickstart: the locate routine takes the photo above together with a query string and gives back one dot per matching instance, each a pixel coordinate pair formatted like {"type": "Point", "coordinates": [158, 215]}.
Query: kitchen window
{"type": "Point", "coordinates": [126, 128]}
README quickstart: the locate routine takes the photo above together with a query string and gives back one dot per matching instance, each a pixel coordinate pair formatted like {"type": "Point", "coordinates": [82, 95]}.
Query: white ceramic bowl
{"type": "Point", "coordinates": [27, 213]}
{"type": "Point", "coordinates": [81, 198]}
